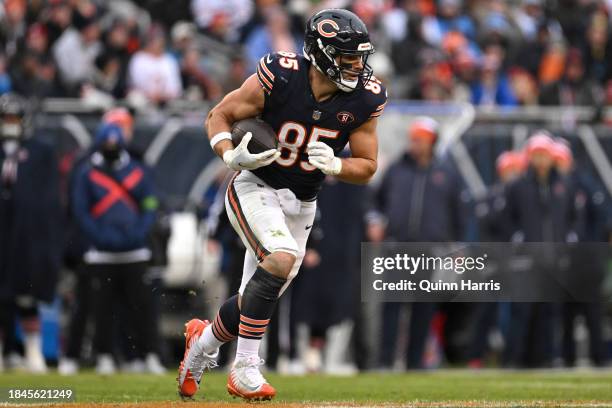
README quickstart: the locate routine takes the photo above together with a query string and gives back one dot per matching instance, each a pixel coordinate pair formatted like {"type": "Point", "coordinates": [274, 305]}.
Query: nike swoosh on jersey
{"type": "Point", "coordinates": [308, 227]}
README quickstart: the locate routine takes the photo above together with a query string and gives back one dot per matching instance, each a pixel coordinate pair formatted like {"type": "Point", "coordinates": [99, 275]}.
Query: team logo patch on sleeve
{"type": "Point", "coordinates": [345, 117]}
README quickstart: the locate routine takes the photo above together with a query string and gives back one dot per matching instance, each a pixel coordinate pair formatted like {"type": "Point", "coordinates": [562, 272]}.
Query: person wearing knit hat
{"type": "Point", "coordinates": [562, 154]}
{"type": "Point", "coordinates": [509, 165]}
{"type": "Point", "coordinates": [539, 152]}
{"type": "Point", "coordinates": [110, 142]}
{"type": "Point", "coordinates": [418, 200]}
{"type": "Point", "coordinates": [540, 206]}
{"type": "Point", "coordinates": [123, 118]}
{"type": "Point", "coordinates": [423, 134]}
{"type": "Point", "coordinates": [114, 206]}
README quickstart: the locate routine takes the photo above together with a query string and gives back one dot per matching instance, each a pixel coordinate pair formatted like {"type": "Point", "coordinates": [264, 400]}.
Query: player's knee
{"type": "Point", "coordinates": [279, 263]}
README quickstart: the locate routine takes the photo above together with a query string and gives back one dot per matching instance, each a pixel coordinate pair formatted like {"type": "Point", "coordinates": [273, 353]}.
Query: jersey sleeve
{"type": "Point", "coordinates": [266, 68]}
{"type": "Point", "coordinates": [376, 97]}
{"type": "Point", "coordinates": [274, 70]}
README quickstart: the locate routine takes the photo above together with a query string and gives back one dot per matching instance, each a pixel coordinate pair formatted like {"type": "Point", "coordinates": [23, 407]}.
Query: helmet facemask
{"type": "Point", "coordinates": [331, 65]}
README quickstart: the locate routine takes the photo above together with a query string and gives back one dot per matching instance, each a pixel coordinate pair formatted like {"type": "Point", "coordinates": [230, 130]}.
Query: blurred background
{"type": "Point", "coordinates": [498, 128]}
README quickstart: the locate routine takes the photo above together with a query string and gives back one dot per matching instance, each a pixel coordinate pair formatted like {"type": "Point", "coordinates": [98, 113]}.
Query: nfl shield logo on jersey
{"type": "Point", "coordinates": [345, 117]}
{"type": "Point", "coordinates": [316, 115]}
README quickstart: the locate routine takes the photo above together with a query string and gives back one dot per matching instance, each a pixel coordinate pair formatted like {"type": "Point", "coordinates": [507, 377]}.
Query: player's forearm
{"type": "Point", "coordinates": [357, 170]}
{"type": "Point", "coordinates": [217, 123]}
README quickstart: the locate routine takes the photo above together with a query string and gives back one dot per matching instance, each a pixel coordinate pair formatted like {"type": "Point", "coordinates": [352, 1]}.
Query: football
{"type": "Point", "coordinates": [264, 137]}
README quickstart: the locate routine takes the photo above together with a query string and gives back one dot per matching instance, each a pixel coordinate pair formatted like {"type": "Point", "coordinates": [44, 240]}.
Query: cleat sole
{"type": "Point", "coordinates": [235, 394]}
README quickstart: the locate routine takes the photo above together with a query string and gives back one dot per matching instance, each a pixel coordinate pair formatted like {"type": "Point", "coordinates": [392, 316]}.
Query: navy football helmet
{"type": "Point", "coordinates": [336, 32]}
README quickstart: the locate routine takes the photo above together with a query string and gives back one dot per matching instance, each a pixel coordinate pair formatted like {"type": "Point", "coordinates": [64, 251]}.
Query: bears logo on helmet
{"type": "Point", "coordinates": [332, 33]}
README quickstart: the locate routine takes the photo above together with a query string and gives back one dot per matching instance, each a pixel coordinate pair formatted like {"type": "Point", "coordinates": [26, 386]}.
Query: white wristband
{"type": "Point", "coordinates": [219, 137]}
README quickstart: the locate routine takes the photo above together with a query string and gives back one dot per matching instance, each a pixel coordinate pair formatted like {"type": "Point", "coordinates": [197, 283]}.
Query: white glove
{"type": "Point", "coordinates": [322, 157]}
{"type": "Point", "coordinates": [239, 158]}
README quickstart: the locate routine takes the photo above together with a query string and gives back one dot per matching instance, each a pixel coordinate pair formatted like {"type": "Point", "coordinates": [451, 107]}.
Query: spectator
{"type": "Point", "coordinates": [527, 18]}
{"type": "Point", "coordinates": [410, 55]}
{"type": "Point", "coordinates": [493, 88]}
{"type": "Point", "coordinates": [541, 208]}
{"type": "Point", "coordinates": [532, 52]}
{"type": "Point", "coordinates": [37, 40]}
{"type": "Point", "coordinates": [112, 63]}
{"type": "Point", "coordinates": [114, 205]}
{"type": "Point", "coordinates": [34, 73]}
{"type": "Point", "coordinates": [30, 221]}
{"type": "Point", "coordinates": [198, 85]}
{"type": "Point", "coordinates": [524, 87]}
{"type": "Point", "coordinates": [82, 305]}
{"type": "Point", "coordinates": [36, 77]}
{"type": "Point", "coordinates": [494, 226]}
{"type": "Point", "coordinates": [598, 49]}
{"type": "Point", "coordinates": [57, 19]}
{"type": "Point", "coordinates": [430, 215]}
{"type": "Point", "coordinates": [573, 16]}
{"type": "Point", "coordinates": [183, 38]}
{"type": "Point", "coordinates": [75, 53]}
{"type": "Point", "coordinates": [449, 18]}
{"type": "Point", "coordinates": [496, 26]}
{"type": "Point", "coordinates": [590, 203]}
{"type": "Point", "coordinates": [13, 26]}
{"type": "Point", "coordinates": [573, 89]}
{"type": "Point", "coordinates": [436, 83]}
{"type": "Point", "coordinates": [153, 72]}
{"type": "Point", "coordinates": [222, 19]}
{"type": "Point", "coordinates": [273, 36]}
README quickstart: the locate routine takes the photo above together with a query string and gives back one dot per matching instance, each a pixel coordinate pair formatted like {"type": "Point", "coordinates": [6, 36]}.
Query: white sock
{"type": "Point", "coordinates": [247, 348]}
{"type": "Point", "coordinates": [208, 342]}
{"type": "Point", "coordinates": [32, 344]}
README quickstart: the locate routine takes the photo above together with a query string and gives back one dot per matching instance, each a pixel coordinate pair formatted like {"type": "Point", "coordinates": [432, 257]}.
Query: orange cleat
{"type": "Point", "coordinates": [195, 361]}
{"type": "Point", "coordinates": [245, 381]}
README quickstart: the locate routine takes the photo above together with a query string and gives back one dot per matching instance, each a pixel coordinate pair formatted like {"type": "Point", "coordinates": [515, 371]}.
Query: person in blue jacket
{"type": "Point", "coordinates": [114, 205]}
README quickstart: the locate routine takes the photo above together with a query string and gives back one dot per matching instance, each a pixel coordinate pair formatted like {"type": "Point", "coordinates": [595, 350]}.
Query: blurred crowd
{"type": "Point", "coordinates": [488, 52]}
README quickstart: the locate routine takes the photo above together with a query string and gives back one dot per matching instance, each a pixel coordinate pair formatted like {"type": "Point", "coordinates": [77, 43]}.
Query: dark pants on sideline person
{"type": "Point", "coordinates": [80, 313]}
{"type": "Point", "coordinates": [123, 283]}
{"type": "Point", "coordinates": [593, 316]}
{"type": "Point", "coordinates": [530, 341]}
{"type": "Point", "coordinates": [420, 320]}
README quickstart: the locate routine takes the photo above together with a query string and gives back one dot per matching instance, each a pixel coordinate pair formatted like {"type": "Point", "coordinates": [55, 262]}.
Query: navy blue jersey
{"type": "Point", "coordinates": [298, 119]}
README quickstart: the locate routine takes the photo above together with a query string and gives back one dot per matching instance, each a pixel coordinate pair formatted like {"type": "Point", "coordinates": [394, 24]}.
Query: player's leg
{"type": "Point", "coordinates": [256, 213]}
{"type": "Point", "coordinates": [255, 208]}
{"type": "Point", "coordinates": [291, 224]}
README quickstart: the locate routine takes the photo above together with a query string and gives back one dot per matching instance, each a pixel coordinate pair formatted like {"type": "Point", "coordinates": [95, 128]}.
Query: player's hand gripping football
{"type": "Point", "coordinates": [322, 157]}
{"type": "Point", "coordinates": [239, 158]}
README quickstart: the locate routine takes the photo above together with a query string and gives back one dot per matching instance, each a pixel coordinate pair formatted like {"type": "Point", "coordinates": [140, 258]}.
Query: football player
{"type": "Point", "coordinates": [316, 103]}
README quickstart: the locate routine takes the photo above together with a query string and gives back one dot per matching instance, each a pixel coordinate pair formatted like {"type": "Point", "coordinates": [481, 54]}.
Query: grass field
{"type": "Point", "coordinates": [431, 389]}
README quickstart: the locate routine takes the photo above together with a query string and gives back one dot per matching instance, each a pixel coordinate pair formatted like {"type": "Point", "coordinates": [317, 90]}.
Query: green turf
{"type": "Point", "coordinates": [434, 386]}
